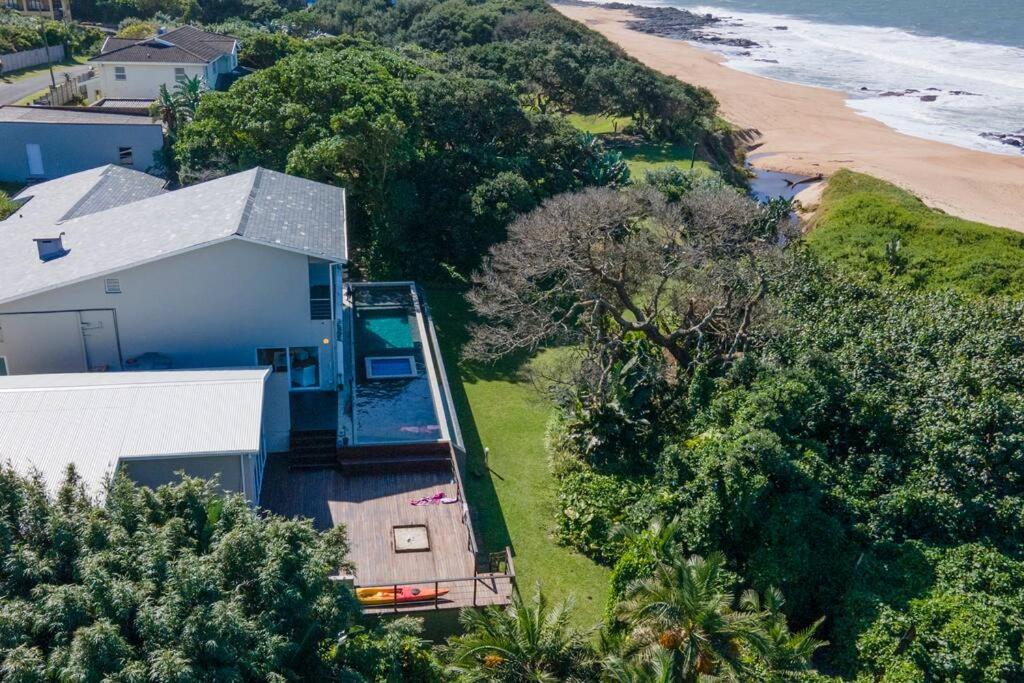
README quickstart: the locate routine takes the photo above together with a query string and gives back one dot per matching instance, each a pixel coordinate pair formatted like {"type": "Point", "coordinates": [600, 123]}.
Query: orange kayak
{"type": "Point", "coordinates": [386, 595]}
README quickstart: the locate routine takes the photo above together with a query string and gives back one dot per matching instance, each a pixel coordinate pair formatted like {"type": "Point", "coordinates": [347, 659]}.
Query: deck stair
{"type": "Point", "coordinates": [395, 457]}
{"type": "Point", "coordinates": [313, 449]}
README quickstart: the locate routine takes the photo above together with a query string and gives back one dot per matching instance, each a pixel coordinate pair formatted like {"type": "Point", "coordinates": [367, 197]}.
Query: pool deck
{"type": "Point", "coordinates": [370, 505]}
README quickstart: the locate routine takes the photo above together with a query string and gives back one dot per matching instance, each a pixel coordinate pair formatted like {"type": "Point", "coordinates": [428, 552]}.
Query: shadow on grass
{"type": "Point", "coordinates": [452, 318]}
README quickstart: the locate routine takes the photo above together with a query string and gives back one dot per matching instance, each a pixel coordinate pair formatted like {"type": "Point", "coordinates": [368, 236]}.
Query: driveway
{"type": "Point", "coordinates": [12, 91]}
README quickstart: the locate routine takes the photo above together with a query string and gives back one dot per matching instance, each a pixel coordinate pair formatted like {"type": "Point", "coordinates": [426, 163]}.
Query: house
{"type": "Point", "coordinates": [106, 273]}
{"type": "Point", "coordinates": [104, 270]}
{"type": "Point", "coordinates": [49, 142]}
{"type": "Point", "coordinates": [148, 425]}
{"type": "Point", "coordinates": [46, 9]}
{"type": "Point", "coordinates": [128, 68]}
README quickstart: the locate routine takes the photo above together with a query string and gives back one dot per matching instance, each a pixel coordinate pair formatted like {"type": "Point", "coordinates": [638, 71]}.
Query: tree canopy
{"type": "Point", "coordinates": [179, 585]}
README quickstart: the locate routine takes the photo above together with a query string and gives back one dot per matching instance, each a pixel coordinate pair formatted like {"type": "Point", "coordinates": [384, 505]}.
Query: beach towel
{"type": "Point", "coordinates": [435, 499]}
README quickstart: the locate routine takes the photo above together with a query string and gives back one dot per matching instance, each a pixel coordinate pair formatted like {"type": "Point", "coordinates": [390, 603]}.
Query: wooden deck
{"type": "Point", "coordinates": [370, 506]}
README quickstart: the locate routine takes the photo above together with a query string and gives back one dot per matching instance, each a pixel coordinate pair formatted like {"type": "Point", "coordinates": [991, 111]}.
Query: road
{"type": "Point", "coordinates": [11, 92]}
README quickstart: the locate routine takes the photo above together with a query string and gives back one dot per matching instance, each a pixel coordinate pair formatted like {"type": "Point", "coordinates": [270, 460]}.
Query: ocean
{"type": "Point", "coordinates": [948, 70]}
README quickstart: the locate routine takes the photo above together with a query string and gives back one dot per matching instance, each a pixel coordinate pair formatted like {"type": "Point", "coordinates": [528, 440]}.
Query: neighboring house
{"type": "Point", "coordinates": [149, 425]}
{"type": "Point", "coordinates": [130, 68]}
{"type": "Point", "coordinates": [104, 270]}
{"type": "Point", "coordinates": [44, 142]}
{"type": "Point", "coordinates": [49, 9]}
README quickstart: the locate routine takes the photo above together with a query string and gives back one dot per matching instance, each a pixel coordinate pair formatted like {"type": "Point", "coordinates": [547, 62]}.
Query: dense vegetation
{"type": "Point", "coordinates": [865, 225]}
{"type": "Point", "coordinates": [176, 585]}
{"type": "Point", "coordinates": [862, 455]}
{"type": "Point", "coordinates": [25, 33]}
{"type": "Point", "coordinates": [446, 134]}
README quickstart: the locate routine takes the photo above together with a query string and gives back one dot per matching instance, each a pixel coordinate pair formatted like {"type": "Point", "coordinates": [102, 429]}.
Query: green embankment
{"type": "Point", "coordinates": [501, 409]}
{"type": "Point", "coordinates": [860, 218]}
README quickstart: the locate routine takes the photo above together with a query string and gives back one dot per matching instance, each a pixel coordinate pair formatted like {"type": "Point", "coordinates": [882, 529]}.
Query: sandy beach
{"type": "Point", "coordinates": [810, 130]}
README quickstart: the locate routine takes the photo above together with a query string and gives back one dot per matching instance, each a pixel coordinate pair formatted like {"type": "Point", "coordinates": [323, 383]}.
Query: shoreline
{"type": "Point", "coordinates": [809, 130]}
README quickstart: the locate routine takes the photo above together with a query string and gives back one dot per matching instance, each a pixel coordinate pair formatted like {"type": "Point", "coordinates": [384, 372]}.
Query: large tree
{"type": "Point", "coordinates": [600, 265]}
{"type": "Point", "coordinates": [180, 584]}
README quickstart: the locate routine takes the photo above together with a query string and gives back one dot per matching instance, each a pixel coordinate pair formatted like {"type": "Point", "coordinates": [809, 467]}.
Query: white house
{"type": "Point", "coordinates": [104, 270]}
{"type": "Point", "coordinates": [148, 425]}
{"type": "Point", "coordinates": [130, 68]}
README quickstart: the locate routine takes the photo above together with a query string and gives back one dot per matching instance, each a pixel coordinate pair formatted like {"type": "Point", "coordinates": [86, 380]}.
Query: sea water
{"type": "Point", "coordinates": [962, 61]}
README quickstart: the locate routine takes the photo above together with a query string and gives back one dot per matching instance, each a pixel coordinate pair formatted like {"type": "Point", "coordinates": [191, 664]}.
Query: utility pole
{"type": "Point", "coordinates": [46, 46]}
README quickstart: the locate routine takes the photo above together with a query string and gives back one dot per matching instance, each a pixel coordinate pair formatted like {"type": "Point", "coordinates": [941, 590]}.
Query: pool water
{"type": "Point", "coordinates": [382, 329]}
{"type": "Point", "coordinates": [397, 408]}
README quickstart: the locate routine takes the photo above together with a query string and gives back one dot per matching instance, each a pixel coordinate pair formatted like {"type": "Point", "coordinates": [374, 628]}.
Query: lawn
{"type": "Point", "coordinates": [500, 409]}
{"type": "Point", "coordinates": [859, 215]}
{"type": "Point", "coordinates": [640, 157]}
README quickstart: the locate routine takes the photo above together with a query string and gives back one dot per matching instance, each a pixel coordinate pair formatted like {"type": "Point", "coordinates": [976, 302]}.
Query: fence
{"type": "Point", "coordinates": [14, 61]}
{"type": "Point", "coordinates": [67, 89]}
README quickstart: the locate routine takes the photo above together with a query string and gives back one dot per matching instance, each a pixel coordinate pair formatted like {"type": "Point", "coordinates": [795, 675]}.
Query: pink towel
{"type": "Point", "coordinates": [432, 500]}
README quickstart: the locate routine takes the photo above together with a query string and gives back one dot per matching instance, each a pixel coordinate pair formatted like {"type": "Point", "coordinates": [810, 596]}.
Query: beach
{"type": "Point", "coordinates": [809, 131]}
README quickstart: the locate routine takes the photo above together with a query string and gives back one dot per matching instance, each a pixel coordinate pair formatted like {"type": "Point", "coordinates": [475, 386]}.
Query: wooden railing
{"type": "Point", "coordinates": [482, 590]}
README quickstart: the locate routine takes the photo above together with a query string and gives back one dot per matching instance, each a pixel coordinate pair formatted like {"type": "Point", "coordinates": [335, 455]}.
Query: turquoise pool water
{"type": "Point", "coordinates": [383, 329]}
{"type": "Point", "coordinates": [391, 409]}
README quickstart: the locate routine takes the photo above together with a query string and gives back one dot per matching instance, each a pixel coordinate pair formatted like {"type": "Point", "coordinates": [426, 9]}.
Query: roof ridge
{"type": "Point", "coordinates": [243, 219]}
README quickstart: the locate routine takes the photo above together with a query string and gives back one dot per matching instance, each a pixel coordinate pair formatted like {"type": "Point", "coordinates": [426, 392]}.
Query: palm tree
{"type": "Point", "coordinates": [660, 669]}
{"type": "Point", "coordinates": [529, 641]}
{"type": "Point", "coordinates": [177, 108]}
{"type": "Point", "coordinates": [787, 651]}
{"type": "Point", "coordinates": [685, 610]}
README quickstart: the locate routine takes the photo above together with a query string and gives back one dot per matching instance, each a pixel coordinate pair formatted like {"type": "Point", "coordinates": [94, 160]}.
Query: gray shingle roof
{"type": "Point", "coordinates": [293, 212]}
{"type": "Point", "coordinates": [185, 45]}
{"type": "Point", "coordinates": [258, 206]}
{"type": "Point", "coordinates": [117, 185]}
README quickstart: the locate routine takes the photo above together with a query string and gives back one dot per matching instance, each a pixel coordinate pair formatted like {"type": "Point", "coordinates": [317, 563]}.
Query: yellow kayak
{"type": "Point", "coordinates": [386, 595]}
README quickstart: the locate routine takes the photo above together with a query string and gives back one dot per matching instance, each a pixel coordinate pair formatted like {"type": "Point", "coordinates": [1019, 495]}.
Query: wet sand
{"type": "Point", "coordinates": [807, 130]}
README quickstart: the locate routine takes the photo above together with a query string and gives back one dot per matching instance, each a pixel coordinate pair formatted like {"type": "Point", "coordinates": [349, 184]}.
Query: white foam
{"type": "Point", "coordinates": [848, 58]}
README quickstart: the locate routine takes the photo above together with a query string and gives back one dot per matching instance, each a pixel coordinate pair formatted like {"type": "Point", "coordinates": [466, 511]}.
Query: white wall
{"type": "Point", "coordinates": [142, 80]}
{"type": "Point", "coordinates": [210, 307]}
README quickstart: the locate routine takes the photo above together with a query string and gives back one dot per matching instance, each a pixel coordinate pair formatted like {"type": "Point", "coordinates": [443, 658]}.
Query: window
{"type": "Point", "coordinates": [3, 366]}
{"type": "Point", "coordinates": [275, 358]}
{"type": "Point", "coordinates": [179, 74]}
{"type": "Point", "coordinates": [119, 74]}
{"type": "Point", "coordinates": [125, 156]}
{"type": "Point", "coordinates": [112, 285]}
{"type": "Point", "coordinates": [320, 307]}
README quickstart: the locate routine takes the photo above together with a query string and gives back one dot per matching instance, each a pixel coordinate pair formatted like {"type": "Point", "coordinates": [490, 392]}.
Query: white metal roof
{"type": "Point", "coordinates": [92, 420]}
{"type": "Point", "coordinates": [257, 205]}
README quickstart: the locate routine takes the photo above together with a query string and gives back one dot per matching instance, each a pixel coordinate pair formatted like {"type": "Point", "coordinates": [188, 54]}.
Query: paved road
{"type": "Point", "coordinates": [11, 92]}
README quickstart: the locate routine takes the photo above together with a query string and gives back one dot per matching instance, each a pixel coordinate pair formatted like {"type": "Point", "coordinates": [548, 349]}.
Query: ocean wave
{"type": "Point", "coordinates": [928, 86]}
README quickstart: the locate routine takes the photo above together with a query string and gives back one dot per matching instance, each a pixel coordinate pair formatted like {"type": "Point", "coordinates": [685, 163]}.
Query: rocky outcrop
{"type": "Point", "coordinates": [1012, 139]}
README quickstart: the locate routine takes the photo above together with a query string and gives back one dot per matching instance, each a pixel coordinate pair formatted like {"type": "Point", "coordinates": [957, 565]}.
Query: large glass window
{"type": "Point", "coordinates": [3, 366]}
{"type": "Point", "coordinates": [319, 290]}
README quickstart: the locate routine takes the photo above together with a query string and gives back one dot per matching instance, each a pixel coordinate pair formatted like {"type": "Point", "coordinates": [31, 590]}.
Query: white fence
{"type": "Point", "coordinates": [27, 58]}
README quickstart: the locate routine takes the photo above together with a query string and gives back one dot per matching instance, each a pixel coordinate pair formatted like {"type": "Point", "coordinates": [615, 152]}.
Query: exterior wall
{"type": "Point", "coordinates": [142, 81]}
{"type": "Point", "coordinates": [72, 147]}
{"type": "Point", "coordinates": [211, 307]}
{"type": "Point", "coordinates": [49, 9]}
{"type": "Point", "coordinates": [154, 472]}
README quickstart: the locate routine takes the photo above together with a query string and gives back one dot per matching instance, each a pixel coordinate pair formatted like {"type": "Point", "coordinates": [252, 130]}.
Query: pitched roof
{"type": "Point", "coordinates": [185, 45]}
{"type": "Point", "coordinates": [258, 205]}
{"type": "Point", "coordinates": [116, 186]}
{"type": "Point", "coordinates": [82, 115]}
{"type": "Point", "coordinates": [91, 420]}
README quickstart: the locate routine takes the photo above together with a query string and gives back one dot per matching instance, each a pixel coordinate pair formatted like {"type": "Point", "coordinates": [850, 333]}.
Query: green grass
{"type": "Point", "coordinates": [501, 409]}
{"type": "Point", "coordinates": [653, 156]}
{"type": "Point", "coordinates": [640, 157]}
{"type": "Point", "coordinates": [859, 215]}
{"type": "Point", "coordinates": [598, 124]}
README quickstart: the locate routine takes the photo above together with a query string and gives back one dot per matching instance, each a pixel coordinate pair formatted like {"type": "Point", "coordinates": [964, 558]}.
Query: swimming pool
{"type": "Point", "coordinates": [393, 398]}
{"type": "Point", "coordinates": [381, 329]}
